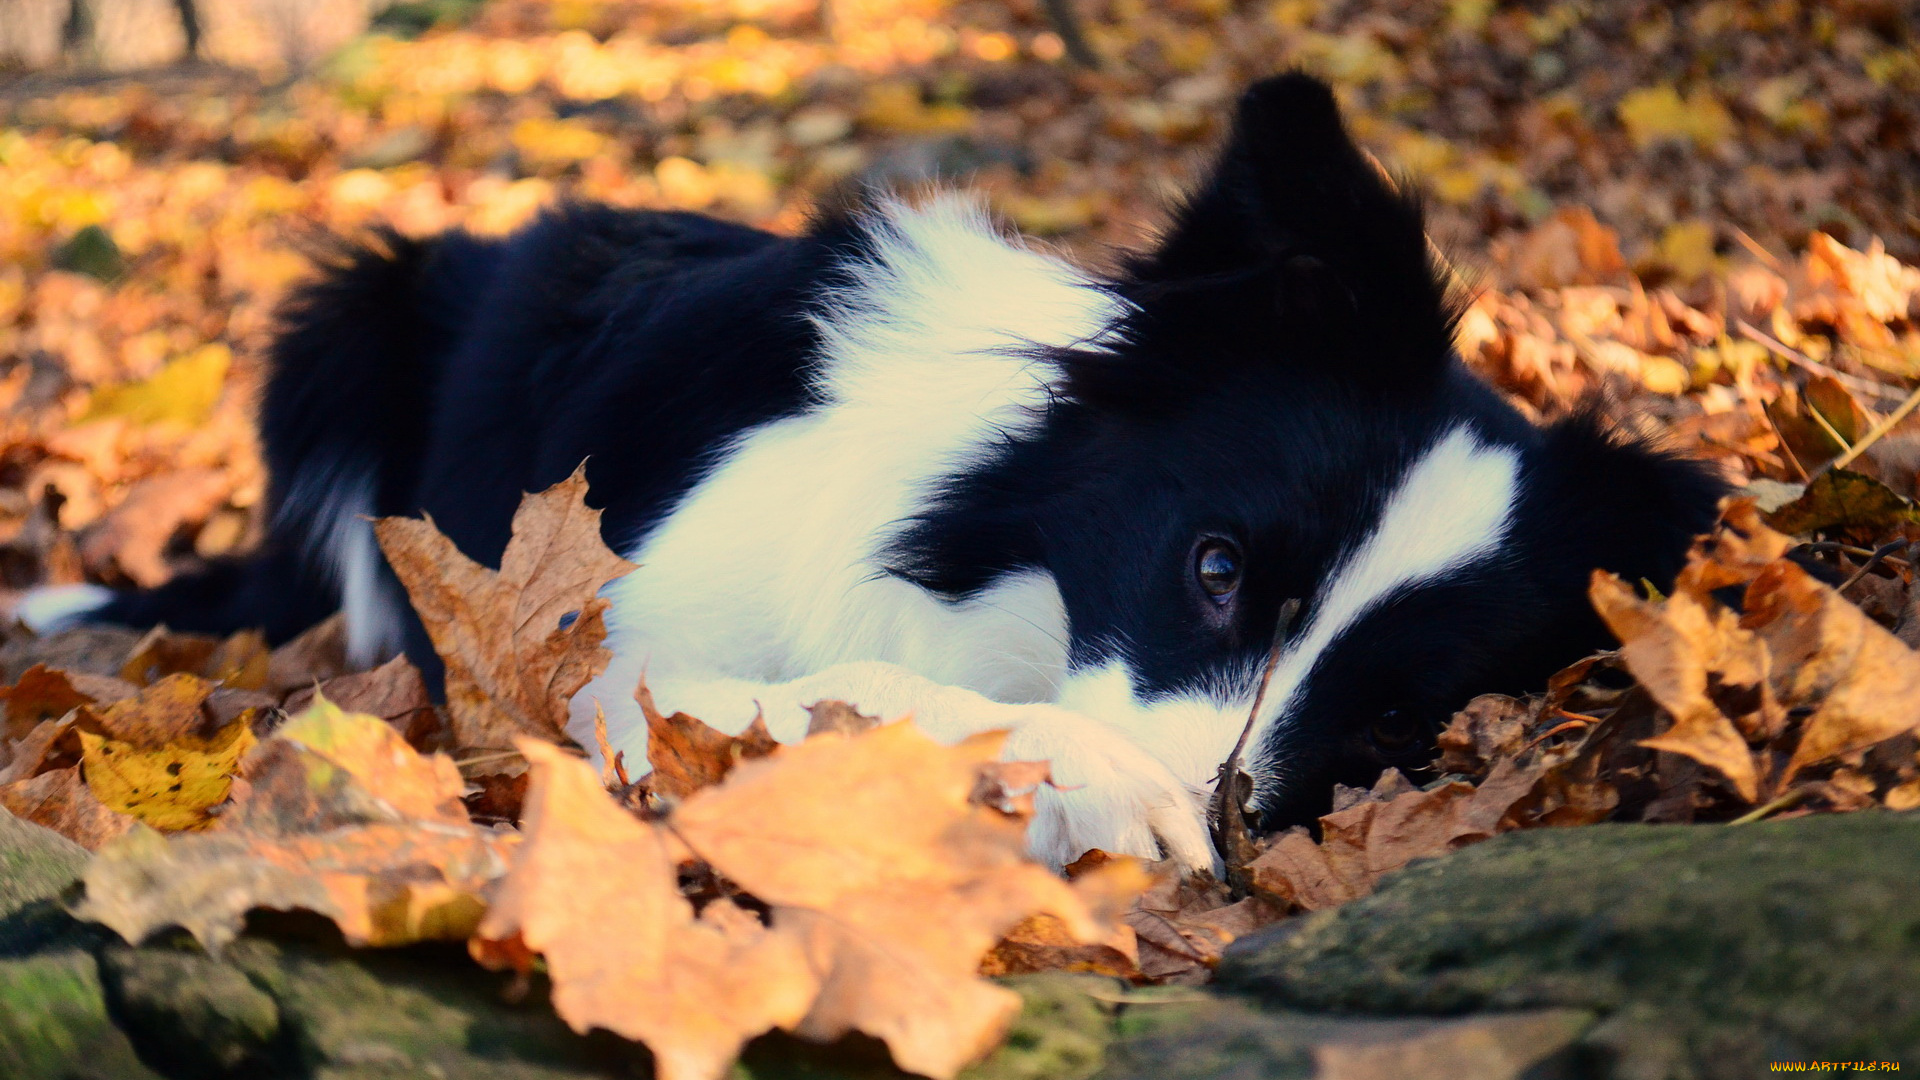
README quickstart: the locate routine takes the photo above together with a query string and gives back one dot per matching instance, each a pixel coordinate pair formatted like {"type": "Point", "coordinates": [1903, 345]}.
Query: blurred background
{"type": "Point", "coordinates": [1702, 215]}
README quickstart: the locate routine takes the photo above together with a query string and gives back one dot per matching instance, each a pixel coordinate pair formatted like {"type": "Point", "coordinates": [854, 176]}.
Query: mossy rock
{"type": "Point", "coordinates": [1709, 950]}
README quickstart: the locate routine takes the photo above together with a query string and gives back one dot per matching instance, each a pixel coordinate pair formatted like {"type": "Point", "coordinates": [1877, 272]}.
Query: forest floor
{"type": "Point", "coordinates": [1699, 218]}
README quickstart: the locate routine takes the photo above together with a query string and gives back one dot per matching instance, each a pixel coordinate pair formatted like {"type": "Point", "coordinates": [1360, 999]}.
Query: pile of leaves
{"type": "Point", "coordinates": [1696, 216]}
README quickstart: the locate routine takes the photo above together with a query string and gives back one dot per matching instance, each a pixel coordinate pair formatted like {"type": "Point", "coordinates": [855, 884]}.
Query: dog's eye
{"type": "Point", "coordinates": [1395, 732]}
{"type": "Point", "coordinates": [1216, 565]}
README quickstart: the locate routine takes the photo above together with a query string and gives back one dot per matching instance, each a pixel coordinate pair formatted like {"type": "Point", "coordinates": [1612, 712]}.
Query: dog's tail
{"type": "Point", "coordinates": [343, 422]}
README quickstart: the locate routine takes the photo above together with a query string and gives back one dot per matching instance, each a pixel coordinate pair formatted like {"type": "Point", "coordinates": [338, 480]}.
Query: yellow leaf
{"type": "Point", "coordinates": [170, 788]}
{"type": "Point", "coordinates": [184, 391]}
{"type": "Point", "coordinates": [1657, 114]}
{"type": "Point", "coordinates": [1687, 249]}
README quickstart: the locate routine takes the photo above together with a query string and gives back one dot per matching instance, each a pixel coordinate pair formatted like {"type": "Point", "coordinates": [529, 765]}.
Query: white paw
{"type": "Point", "coordinates": [1109, 794]}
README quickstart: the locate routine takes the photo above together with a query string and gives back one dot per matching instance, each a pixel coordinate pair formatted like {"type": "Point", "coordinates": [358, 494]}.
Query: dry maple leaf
{"type": "Point", "coordinates": [511, 665]}
{"type": "Point", "coordinates": [338, 816]}
{"type": "Point", "coordinates": [1862, 683]}
{"type": "Point", "coordinates": [867, 849]}
{"type": "Point", "coordinates": [594, 890]}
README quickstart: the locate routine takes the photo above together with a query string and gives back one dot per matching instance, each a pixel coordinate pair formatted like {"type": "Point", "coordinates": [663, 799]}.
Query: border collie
{"type": "Point", "coordinates": [909, 462]}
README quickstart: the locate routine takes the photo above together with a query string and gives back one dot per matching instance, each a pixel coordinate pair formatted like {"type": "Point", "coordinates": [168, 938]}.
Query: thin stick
{"type": "Point", "coordinates": [1786, 450]}
{"type": "Point", "coordinates": [1799, 359]}
{"type": "Point", "coordinates": [1759, 252]}
{"type": "Point", "coordinates": [1785, 802]}
{"type": "Point", "coordinates": [1879, 429]}
{"type": "Point", "coordinates": [1880, 555]}
{"type": "Point", "coordinates": [1827, 426]}
{"type": "Point", "coordinates": [1229, 806]}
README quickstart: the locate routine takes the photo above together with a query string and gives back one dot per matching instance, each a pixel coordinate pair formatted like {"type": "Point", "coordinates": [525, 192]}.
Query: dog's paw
{"type": "Point", "coordinates": [1108, 793]}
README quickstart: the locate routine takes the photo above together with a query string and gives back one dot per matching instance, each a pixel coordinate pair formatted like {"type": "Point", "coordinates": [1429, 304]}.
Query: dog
{"type": "Point", "coordinates": [908, 462]}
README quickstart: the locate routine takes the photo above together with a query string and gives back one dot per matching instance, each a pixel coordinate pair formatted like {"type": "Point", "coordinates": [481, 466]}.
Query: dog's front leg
{"type": "Point", "coordinates": [1109, 794]}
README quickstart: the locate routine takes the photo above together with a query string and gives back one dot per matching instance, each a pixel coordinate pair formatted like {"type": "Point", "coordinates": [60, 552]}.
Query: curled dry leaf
{"type": "Point", "coordinates": [1366, 841]}
{"type": "Point", "coordinates": [687, 755]}
{"type": "Point", "coordinates": [394, 692]}
{"type": "Point", "coordinates": [337, 816]}
{"type": "Point", "coordinates": [595, 891]}
{"type": "Point", "coordinates": [1862, 683]}
{"type": "Point", "coordinates": [511, 665]}
{"type": "Point", "coordinates": [1673, 647]}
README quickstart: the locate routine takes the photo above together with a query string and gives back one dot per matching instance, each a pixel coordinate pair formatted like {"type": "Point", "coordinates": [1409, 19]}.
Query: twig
{"type": "Point", "coordinates": [1785, 802]}
{"type": "Point", "coordinates": [1786, 450]}
{"type": "Point", "coordinates": [1759, 252]}
{"type": "Point", "coordinates": [1827, 426]}
{"type": "Point", "coordinates": [1879, 429]}
{"type": "Point", "coordinates": [1066, 22]}
{"type": "Point", "coordinates": [1799, 359]}
{"type": "Point", "coordinates": [1881, 554]}
{"type": "Point", "coordinates": [1229, 809]}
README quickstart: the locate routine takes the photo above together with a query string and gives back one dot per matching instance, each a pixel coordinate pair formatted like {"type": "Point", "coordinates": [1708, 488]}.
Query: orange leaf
{"type": "Point", "coordinates": [687, 755]}
{"type": "Point", "coordinates": [594, 890]}
{"type": "Point", "coordinates": [1862, 682]}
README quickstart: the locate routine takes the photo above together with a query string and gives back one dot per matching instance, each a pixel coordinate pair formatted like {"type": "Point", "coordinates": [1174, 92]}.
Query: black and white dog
{"type": "Point", "coordinates": [908, 462]}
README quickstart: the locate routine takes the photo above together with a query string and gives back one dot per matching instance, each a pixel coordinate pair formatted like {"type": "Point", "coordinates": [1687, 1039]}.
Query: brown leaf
{"type": "Point", "coordinates": [167, 711]}
{"type": "Point", "coordinates": [1042, 943]}
{"type": "Point", "coordinates": [1862, 682]}
{"type": "Point", "coordinates": [394, 692]}
{"type": "Point", "coordinates": [1376, 836]}
{"type": "Point", "coordinates": [511, 666]}
{"type": "Point", "coordinates": [335, 815]}
{"type": "Point", "coordinates": [32, 754]}
{"type": "Point", "coordinates": [687, 755]}
{"type": "Point", "coordinates": [1491, 727]}
{"type": "Point", "coordinates": [595, 892]}
{"type": "Point", "coordinates": [318, 654]}
{"type": "Point", "coordinates": [1672, 648]}
{"type": "Point", "coordinates": [838, 716]}
{"type": "Point", "coordinates": [41, 694]}
{"type": "Point", "coordinates": [61, 801]}
{"type": "Point", "coordinates": [1838, 499]}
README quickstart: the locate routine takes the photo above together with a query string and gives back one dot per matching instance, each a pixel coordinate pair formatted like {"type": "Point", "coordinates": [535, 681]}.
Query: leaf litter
{"type": "Point", "coordinates": [1776, 678]}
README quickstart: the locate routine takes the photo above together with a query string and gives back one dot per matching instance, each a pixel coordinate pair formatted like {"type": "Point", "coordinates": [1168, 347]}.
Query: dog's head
{"type": "Point", "coordinates": [1281, 423]}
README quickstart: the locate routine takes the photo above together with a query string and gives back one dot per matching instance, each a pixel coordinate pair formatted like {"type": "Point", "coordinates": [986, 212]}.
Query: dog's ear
{"type": "Point", "coordinates": [1297, 242]}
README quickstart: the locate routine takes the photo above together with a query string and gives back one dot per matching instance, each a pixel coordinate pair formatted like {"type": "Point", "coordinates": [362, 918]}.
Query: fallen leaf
{"type": "Point", "coordinates": [166, 712]}
{"type": "Point", "coordinates": [687, 755]}
{"type": "Point", "coordinates": [594, 891]}
{"type": "Point", "coordinates": [1673, 647]}
{"type": "Point", "coordinates": [867, 849]}
{"type": "Point", "coordinates": [1862, 683]}
{"type": "Point", "coordinates": [62, 801]}
{"type": "Point", "coordinates": [318, 654]}
{"type": "Point", "coordinates": [511, 665]}
{"type": "Point", "coordinates": [838, 716]}
{"type": "Point", "coordinates": [1844, 500]}
{"type": "Point", "coordinates": [171, 788]}
{"type": "Point", "coordinates": [394, 692]}
{"type": "Point", "coordinates": [335, 814]}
